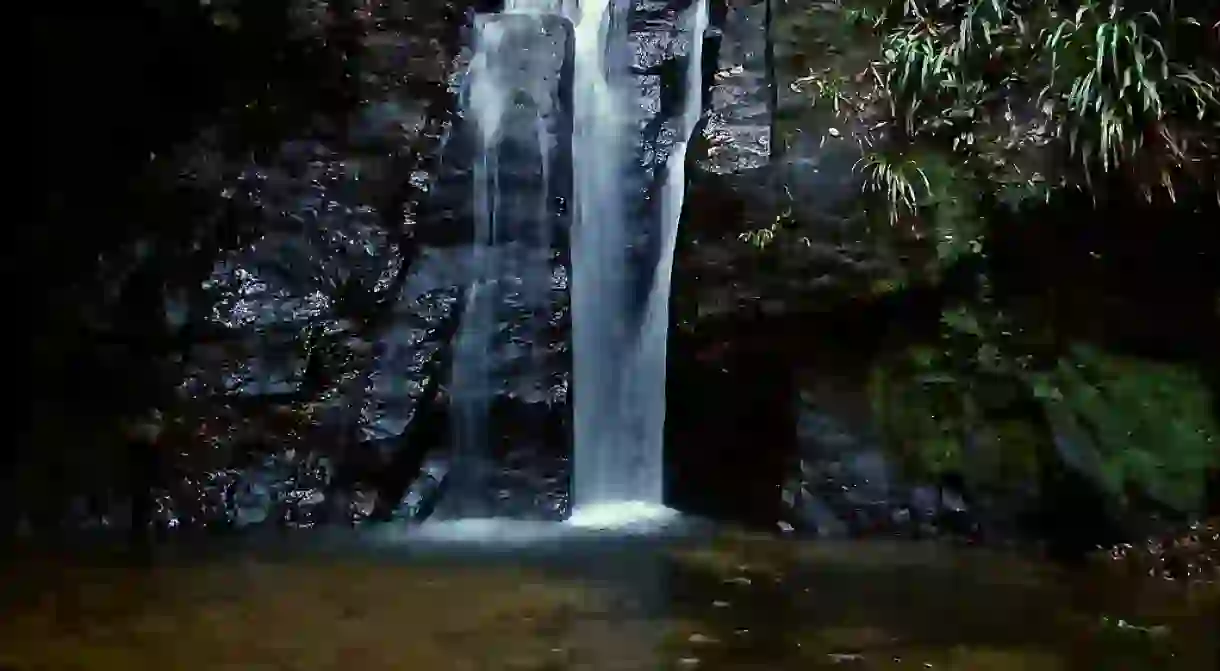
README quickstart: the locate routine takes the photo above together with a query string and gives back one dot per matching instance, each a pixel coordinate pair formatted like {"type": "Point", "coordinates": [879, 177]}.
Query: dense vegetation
{"type": "Point", "coordinates": [1033, 96]}
{"type": "Point", "coordinates": [978, 122]}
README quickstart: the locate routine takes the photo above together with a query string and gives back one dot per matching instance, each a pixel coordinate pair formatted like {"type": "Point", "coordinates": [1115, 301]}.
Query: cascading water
{"type": "Point", "coordinates": [619, 324]}
{"type": "Point", "coordinates": [516, 99]}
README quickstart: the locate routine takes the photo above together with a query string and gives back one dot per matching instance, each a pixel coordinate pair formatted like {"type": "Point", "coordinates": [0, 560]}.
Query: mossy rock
{"type": "Point", "coordinates": [1150, 424]}
{"type": "Point", "coordinates": [937, 420]}
{"type": "Point", "coordinates": [1128, 423]}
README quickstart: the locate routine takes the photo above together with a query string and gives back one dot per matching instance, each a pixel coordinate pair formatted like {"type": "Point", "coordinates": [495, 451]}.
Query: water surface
{"type": "Point", "coordinates": [682, 598]}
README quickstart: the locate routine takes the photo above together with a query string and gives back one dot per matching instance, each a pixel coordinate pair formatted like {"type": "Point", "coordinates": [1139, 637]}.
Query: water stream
{"type": "Point", "coordinates": [517, 100]}
{"type": "Point", "coordinates": [619, 323]}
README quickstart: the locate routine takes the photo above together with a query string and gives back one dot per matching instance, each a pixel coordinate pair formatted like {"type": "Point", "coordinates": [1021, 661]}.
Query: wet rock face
{"type": "Point", "coordinates": [739, 117]}
{"type": "Point", "coordinates": [328, 310]}
{"type": "Point", "coordinates": [288, 283]}
{"type": "Point", "coordinates": [775, 216]}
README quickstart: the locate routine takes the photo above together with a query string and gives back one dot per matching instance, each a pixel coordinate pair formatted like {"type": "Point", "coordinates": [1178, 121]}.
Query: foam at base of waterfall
{"type": "Point", "coordinates": [494, 530]}
{"type": "Point", "coordinates": [621, 514]}
{"type": "Point", "coordinates": [626, 518]}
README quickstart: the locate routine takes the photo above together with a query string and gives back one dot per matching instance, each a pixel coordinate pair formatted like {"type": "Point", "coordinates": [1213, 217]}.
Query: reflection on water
{"type": "Point", "coordinates": [729, 602]}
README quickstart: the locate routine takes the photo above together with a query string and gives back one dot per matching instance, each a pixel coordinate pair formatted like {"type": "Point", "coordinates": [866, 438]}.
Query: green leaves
{"type": "Point", "coordinates": [898, 178]}
{"type": "Point", "coordinates": [1112, 75]}
{"type": "Point", "coordinates": [1118, 90]}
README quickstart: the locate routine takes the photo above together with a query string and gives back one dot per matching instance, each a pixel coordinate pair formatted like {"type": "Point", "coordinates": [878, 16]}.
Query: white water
{"type": "Point", "coordinates": [618, 338]}
{"type": "Point", "coordinates": [512, 100]}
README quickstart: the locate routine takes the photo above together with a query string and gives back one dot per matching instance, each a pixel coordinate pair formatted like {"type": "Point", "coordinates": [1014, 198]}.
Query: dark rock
{"type": "Point", "coordinates": [730, 431]}
{"type": "Point", "coordinates": [740, 109]}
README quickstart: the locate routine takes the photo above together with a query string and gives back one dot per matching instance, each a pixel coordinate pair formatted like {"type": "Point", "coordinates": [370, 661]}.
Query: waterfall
{"type": "Point", "coordinates": [516, 100]}
{"type": "Point", "coordinates": [619, 325]}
